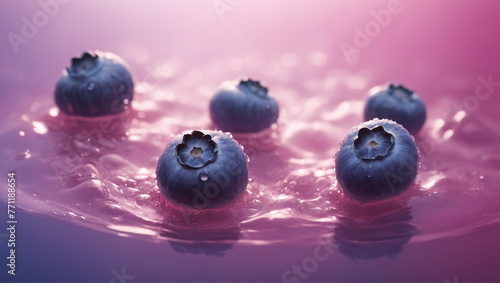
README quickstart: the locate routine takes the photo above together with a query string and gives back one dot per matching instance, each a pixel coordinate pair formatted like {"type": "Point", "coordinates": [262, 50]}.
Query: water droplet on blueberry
{"type": "Point", "coordinates": [94, 85]}
{"type": "Point", "coordinates": [204, 177]}
{"type": "Point", "coordinates": [191, 173]}
{"type": "Point", "coordinates": [378, 172]}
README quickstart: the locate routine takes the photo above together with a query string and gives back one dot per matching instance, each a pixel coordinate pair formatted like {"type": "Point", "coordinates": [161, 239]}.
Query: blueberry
{"type": "Point", "coordinates": [243, 107]}
{"type": "Point", "coordinates": [377, 160]}
{"type": "Point", "coordinates": [202, 170]}
{"type": "Point", "coordinates": [399, 104]}
{"type": "Point", "coordinates": [95, 84]}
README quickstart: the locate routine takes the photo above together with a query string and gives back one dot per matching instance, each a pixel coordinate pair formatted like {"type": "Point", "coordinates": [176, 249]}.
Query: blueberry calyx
{"type": "Point", "coordinates": [373, 144]}
{"type": "Point", "coordinates": [401, 92]}
{"type": "Point", "coordinates": [254, 87]}
{"type": "Point", "coordinates": [196, 150]}
{"type": "Point", "coordinates": [84, 66]}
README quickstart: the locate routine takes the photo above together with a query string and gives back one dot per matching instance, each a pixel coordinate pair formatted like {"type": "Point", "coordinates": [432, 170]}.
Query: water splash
{"type": "Point", "coordinates": [101, 172]}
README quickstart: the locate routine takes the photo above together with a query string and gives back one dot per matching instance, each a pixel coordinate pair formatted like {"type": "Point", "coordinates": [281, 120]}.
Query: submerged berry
{"type": "Point", "coordinates": [243, 107]}
{"type": "Point", "coordinates": [95, 84]}
{"type": "Point", "coordinates": [202, 169]}
{"type": "Point", "coordinates": [377, 160]}
{"type": "Point", "coordinates": [399, 104]}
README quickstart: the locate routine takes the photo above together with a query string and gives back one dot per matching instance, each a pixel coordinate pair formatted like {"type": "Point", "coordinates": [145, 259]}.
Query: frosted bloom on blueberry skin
{"type": "Point", "coordinates": [243, 107]}
{"type": "Point", "coordinates": [399, 104]}
{"type": "Point", "coordinates": [377, 160]}
{"type": "Point", "coordinates": [202, 169]}
{"type": "Point", "coordinates": [96, 84]}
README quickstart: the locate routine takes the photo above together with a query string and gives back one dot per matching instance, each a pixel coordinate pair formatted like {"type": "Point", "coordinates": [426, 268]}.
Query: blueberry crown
{"type": "Point", "coordinates": [253, 87]}
{"type": "Point", "coordinates": [85, 65]}
{"type": "Point", "coordinates": [400, 91]}
{"type": "Point", "coordinates": [373, 143]}
{"type": "Point", "coordinates": [196, 150]}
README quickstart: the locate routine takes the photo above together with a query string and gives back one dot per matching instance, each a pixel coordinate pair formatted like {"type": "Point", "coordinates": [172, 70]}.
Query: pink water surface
{"type": "Point", "coordinates": [100, 173]}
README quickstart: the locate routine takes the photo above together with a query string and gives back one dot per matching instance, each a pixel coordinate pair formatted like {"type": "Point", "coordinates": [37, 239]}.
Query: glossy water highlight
{"type": "Point", "coordinates": [100, 172]}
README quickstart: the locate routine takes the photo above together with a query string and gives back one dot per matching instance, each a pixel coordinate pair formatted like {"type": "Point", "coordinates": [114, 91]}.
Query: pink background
{"type": "Point", "coordinates": [184, 50]}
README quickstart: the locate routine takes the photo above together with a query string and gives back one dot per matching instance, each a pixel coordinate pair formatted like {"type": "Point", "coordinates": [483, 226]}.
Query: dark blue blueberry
{"type": "Point", "coordinates": [377, 160]}
{"type": "Point", "coordinates": [96, 84]}
{"type": "Point", "coordinates": [243, 107]}
{"type": "Point", "coordinates": [399, 104]}
{"type": "Point", "coordinates": [202, 170]}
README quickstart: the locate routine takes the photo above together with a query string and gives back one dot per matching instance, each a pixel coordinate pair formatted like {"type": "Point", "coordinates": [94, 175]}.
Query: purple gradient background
{"type": "Point", "coordinates": [448, 44]}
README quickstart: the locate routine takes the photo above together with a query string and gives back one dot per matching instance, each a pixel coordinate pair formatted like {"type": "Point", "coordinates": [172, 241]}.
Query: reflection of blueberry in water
{"type": "Point", "coordinates": [399, 104]}
{"type": "Point", "coordinates": [243, 107]}
{"type": "Point", "coordinates": [375, 238]}
{"type": "Point", "coordinates": [377, 160]}
{"type": "Point", "coordinates": [202, 170]}
{"type": "Point", "coordinates": [95, 84]}
{"type": "Point", "coordinates": [213, 242]}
